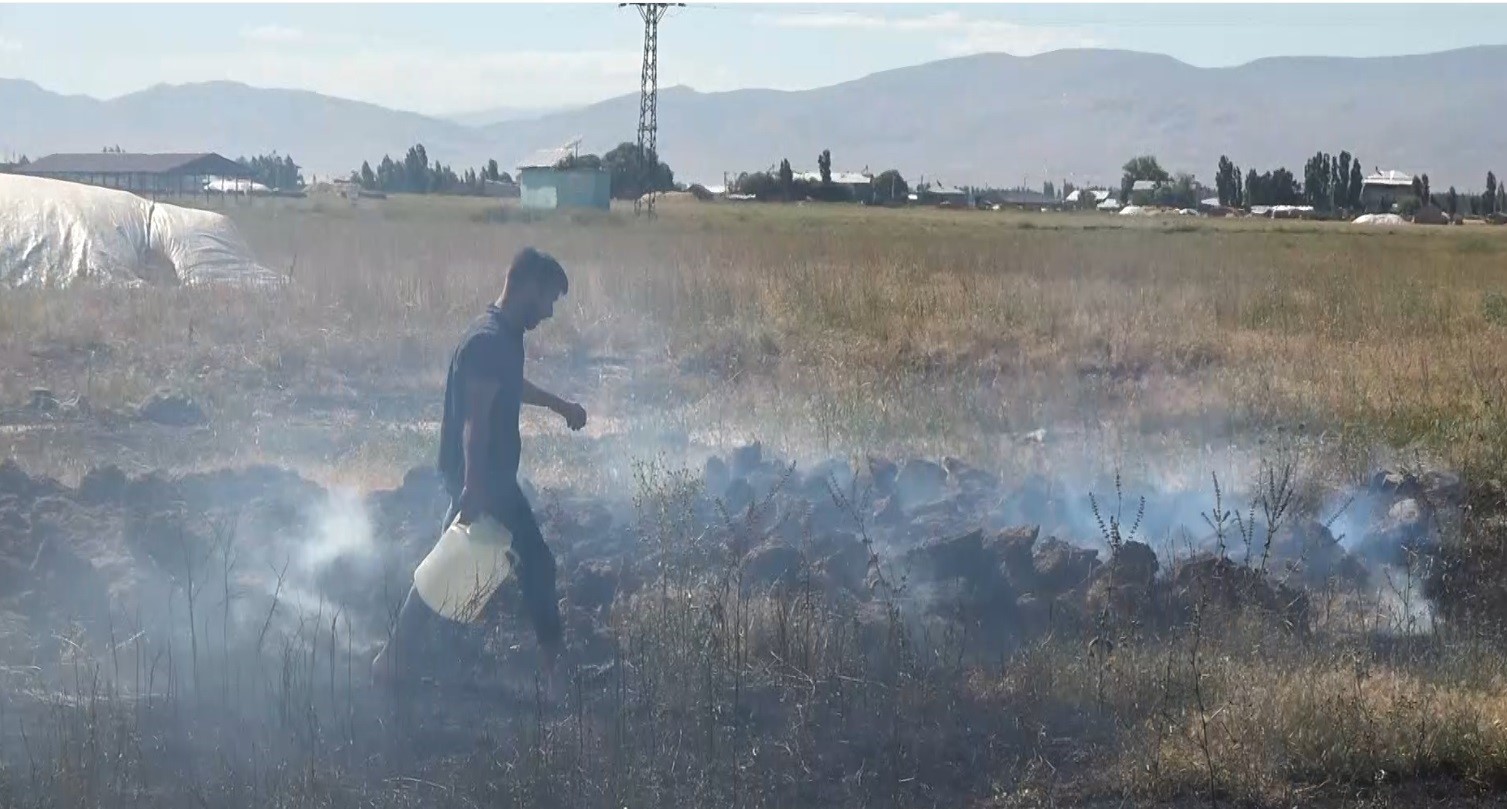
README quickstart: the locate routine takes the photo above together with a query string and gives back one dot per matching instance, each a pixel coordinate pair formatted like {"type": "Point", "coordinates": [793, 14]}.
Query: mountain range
{"type": "Point", "coordinates": [988, 119]}
{"type": "Point", "coordinates": [498, 115]}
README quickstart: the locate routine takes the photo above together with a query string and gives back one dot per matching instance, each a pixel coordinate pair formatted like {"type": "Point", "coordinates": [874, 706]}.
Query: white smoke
{"type": "Point", "coordinates": [342, 529]}
{"type": "Point", "coordinates": [314, 570]}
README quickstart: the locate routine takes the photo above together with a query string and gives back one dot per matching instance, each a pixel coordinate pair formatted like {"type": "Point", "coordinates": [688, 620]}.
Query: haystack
{"type": "Point", "coordinates": [1430, 215]}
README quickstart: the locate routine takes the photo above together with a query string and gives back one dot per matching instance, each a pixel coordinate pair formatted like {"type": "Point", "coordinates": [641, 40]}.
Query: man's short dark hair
{"type": "Point", "coordinates": [537, 266]}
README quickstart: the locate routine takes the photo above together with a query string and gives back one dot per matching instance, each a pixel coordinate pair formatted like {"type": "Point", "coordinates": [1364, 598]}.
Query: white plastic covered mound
{"type": "Point", "coordinates": [224, 185]}
{"type": "Point", "coordinates": [56, 234]}
{"type": "Point", "coordinates": [1380, 219]}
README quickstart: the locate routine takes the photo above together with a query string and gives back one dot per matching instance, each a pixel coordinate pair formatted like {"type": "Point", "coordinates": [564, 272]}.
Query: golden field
{"type": "Point", "coordinates": [871, 328]}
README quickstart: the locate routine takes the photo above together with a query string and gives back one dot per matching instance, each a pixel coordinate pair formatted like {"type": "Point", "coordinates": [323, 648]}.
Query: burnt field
{"type": "Point", "coordinates": [882, 508]}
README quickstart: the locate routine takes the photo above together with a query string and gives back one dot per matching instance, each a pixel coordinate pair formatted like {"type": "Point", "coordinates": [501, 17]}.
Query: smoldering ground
{"type": "Point", "coordinates": [244, 605]}
{"type": "Point", "coordinates": [259, 552]}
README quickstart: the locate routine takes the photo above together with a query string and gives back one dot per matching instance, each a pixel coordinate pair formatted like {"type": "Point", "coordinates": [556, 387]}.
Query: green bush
{"type": "Point", "coordinates": [1494, 308]}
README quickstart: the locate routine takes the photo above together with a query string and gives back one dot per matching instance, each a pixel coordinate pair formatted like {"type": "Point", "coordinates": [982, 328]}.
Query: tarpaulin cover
{"type": "Point", "coordinates": [55, 233]}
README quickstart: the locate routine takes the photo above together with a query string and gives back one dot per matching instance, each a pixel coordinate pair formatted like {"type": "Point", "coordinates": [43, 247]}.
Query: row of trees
{"type": "Point", "coordinates": [414, 174]}
{"type": "Point", "coordinates": [886, 187]}
{"type": "Point", "coordinates": [1328, 183]}
{"type": "Point", "coordinates": [633, 174]}
{"type": "Point", "coordinates": [277, 173]}
{"type": "Point", "coordinates": [1333, 183]}
{"type": "Point", "coordinates": [1182, 191]}
{"type": "Point", "coordinates": [1493, 201]}
{"type": "Point", "coordinates": [782, 184]}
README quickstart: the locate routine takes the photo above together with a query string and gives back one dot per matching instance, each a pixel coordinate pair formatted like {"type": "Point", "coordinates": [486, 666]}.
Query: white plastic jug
{"type": "Point", "coordinates": [465, 568]}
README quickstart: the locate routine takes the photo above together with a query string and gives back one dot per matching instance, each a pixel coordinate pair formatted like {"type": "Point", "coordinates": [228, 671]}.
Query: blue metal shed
{"type": "Point", "coordinates": [550, 188]}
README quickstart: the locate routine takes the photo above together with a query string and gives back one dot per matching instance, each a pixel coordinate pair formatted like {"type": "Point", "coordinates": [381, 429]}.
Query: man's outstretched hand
{"type": "Point", "coordinates": [575, 415]}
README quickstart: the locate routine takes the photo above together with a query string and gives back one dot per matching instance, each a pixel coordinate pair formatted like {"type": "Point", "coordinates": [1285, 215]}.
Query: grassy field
{"type": "Point", "coordinates": [1168, 349]}
{"type": "Point", "coordinates": [874, 329]}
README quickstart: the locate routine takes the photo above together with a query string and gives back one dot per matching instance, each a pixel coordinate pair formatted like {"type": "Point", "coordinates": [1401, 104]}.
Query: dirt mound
{"type": "Point", "coordinates": [1306, 548]}
{"type": "Point", "coordinates": [1401, 513]}
{"type": "Point", "coordinates": [1430, 215]}
{"type": "Point", "coordinates": [1126, 586]}
{"type": "Point", "coordinates": [56, 562]}
{"type": "Point", "coordinates": [961, 538]}
{"type": "Point", "coordinates": [1061, 567]}
{"type": "Point", "coordinates": [1465, 570]}
{"type": "Point", "coordinates": [1221, 585]}
{"type": "Point", "coordinates": [172, 409]}
{"type": "Point", "coordinates": [116, 548]}
{"type": "Point", "coordinates": [945, 534]}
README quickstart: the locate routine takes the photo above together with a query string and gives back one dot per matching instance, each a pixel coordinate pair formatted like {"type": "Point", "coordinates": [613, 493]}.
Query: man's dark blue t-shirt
{"type": "Point", "coordinates": [493, 349]}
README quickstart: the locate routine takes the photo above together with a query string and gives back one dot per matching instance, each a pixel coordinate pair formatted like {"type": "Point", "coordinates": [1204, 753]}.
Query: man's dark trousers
{"type": "Point", "coordinates": [431, 644]}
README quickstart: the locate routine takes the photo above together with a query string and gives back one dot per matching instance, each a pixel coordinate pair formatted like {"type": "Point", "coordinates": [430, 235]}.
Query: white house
{"type": "Point", "coordinates": [1381, 190]}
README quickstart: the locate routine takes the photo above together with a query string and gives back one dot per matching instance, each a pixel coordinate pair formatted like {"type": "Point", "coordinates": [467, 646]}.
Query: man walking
{"type": "Point", "coordinates": [480, 447]}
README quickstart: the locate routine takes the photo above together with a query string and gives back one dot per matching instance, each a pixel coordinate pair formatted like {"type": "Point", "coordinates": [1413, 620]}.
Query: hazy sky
{"type": "Point", "coordinates": [453, 58]}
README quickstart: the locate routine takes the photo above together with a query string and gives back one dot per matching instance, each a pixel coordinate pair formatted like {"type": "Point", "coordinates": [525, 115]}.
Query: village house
{"type": "Point", "coordinates": [1383, 190]}
{"type": "Point", "coordinates": [858, 184]}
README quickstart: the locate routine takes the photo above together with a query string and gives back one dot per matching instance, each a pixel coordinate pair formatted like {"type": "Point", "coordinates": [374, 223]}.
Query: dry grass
{"type": "Point", "coordinates": [822, 330]}
{"type": "Point", "coordinates": [887, 329]}
{"type": "Point", "coordinates": [1318, 723]}
{"type": "Point", "coordinates": [1273, 725]}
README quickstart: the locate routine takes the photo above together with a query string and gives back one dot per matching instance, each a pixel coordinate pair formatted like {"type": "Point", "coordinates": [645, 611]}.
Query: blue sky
{"type": "Point", "coordinates": [451, 58]}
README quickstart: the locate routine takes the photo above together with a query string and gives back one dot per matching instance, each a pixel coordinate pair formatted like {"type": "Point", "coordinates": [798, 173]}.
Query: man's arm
{"type": "Point", "coordinates": [539, 397]}
{"type": "Point", "coordinates": [574, 414]}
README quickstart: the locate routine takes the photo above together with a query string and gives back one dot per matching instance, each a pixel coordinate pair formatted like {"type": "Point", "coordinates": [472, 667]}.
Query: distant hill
{"type": "Point", "coordinates": [986, 119]}
{"type": "Point", "coordinates": [498, 115]}
{"type": "Point", "coordinates": [326, 135]}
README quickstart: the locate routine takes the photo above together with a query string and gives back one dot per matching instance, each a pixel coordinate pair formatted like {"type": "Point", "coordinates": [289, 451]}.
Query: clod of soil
{"type": "Point", "coordinates": [101, 485]}
{"type": "Point", "coordinates": [772, 565]}
{"type": "Point", "coordinates": [831, 472]}
{"type": "Point", "coordinates": [843, 558]}
{"type": "Point", "coordinates": [1014, 548]}
{"type": "Point", "coordinates": [1308, 548]}
{"type": "Point", "coordinates": [920, 482]}
{"type": "Point", "coordinates": [882, 473]}
{"type": "Point", "coordinates": [1404, 527]}
{"type": "Point", "coordinates": [951, 558]}
{"type": "Point", "coordinates": [968, 478]}
{"type": "Point", "coordinates": [173, 410]}
{"type": "Point", "coordinates": [738, 496]}
{"type": "Point", "coordinates": [1219, 583]}
{"type": "Point", "coordinates": [887, 511]}
{"type": "Point", "coordinates": [747, 458]}
{"type": "Point", "coordinates": [594, 584]}
{"type": "Point", "coordinates": [716, 475]}
{"type": "Point", "coordinates": [1133, 563]}
{"type": "Point", "coordinates": [1061, 566]}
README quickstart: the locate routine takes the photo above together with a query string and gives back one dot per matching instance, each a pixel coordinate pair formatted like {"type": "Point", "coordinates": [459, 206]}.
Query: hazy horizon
{"type": "Point", "coordinates": [549, 56]}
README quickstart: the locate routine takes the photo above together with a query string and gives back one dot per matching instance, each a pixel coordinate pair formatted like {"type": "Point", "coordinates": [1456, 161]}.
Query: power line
{"type": "Point", "coordinates": [648, 103]}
